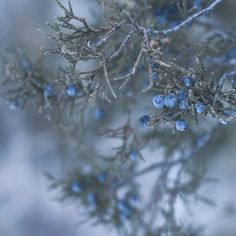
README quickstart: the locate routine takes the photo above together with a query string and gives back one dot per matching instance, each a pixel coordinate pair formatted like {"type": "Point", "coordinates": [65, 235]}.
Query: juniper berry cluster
{"type": "Point", "coordinates": [190, 84]}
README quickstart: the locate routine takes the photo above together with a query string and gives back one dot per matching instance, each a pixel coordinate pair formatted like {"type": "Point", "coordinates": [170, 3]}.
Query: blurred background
{"type": "Point", "coordinates": [29, 146]}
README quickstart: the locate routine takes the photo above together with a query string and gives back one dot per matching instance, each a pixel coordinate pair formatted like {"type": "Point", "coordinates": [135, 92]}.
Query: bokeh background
{"type": "Point", "coordinates": [29, 146]}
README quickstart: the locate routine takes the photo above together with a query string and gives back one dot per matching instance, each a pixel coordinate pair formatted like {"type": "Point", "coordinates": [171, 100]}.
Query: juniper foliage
{"type": "Point", "coordinates": [161, 78]}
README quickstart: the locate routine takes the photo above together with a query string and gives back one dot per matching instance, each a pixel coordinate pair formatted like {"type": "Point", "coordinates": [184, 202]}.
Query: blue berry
{"type": "Point", "coordinates": [99, 114]}
{"type": "Point", "coordinates": [133, 199]}
{"type": "Point", "coordinates": [13, 105]}
{"type": "Point", "coordinates": [144, 120]}
{"type": "Point", "coordinates": [76, 187]}
{"type": "Point", "coordinates": [134, 155]}
{"type": "Point", "coordinates": [154, 65]}
{"type": "Point", "coordinates": [224, 121]}
{"type": "Point", "coordinates": [227, 113]}
{"type": "Point", "coordinates": [229, 116]}
{"type": "Point", "coordinates": [200, 107]}
{"type": "Point", "coordinates": [189, 81]}
{"type": "Point", "coordinates": [101, 178]}
{"type": "Point", "coordinates": [154, 75]}
{"type": "Point", "coordinates": [71, 90]}
{"type": "Point", "coordinates": [158, 101]}
{"type": "Point", "coordinates": [233, 113]}
{"type": "Point", "coordinates": [181, 125]}
{"type": "Point", "coordinates": [121, 205]}
{"type": "Point", "coordinates": [183, 105]}
{"type": "Point", "coordinates": [124, 209]}
{"type": "Point", "coordinates": [182, 95]}
{"type": "Point", "coordinates": [92, 199]}
{"type": "Point", "coordinates": [170, 100]}
{"type": "Point", "coordinates": [48, 90]}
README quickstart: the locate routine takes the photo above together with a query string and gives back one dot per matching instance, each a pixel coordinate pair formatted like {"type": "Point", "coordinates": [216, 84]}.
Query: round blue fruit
{"type": "Point", "coordinates": [154, 65]}
{"type": "Point", "coordinates": [144, 120]}
{"type": "Point", "coordinates": [181, 125]}
{"type": "Point", "coordinates": [48, 90]}
{"type": "Point", "coordinates": [76, 187]}
{"type": "Point", "coordinates": [170, 100]}
{"type": "Point", "coordinates": [99, 114]}
{"type": "Point", "coordinates": [189, 81]}
{"type": "Point", "coordinates": [134, 155]}
{"type": "Point", "coordinates": [124, 209]}
{"type": "Point", "coordinates": [233, 113]}
{"type": "Point", "coordinates": [182, 95]}
{"type": "Point", "coordinates": [200, 107]}
{"type": "Point", "coordinates": [14, 105]}
{"type": "Point", "coordinates": [71, 90]}
{"type": "Point", "coordinates": [158, 101]}
{"type": "Point", "coordinates": [101, 178]}
{"type": "Point", "coordinates": [224, 121]}
{"type": "Point", "coordinates": [183, 105]}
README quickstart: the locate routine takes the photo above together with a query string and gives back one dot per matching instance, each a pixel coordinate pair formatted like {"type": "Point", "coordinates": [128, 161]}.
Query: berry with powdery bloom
{"type": "Point", "coordinates": [228, 117]}
{"type": "Point", "coordinates": [144, 120]}
{"type": "Point", "coordinates": [101, 178]}
{"type": "Point", "coordinates": [154, 65]}
{"type": "Point", "coordinates": [158, 101]}
{"type": "Point", "coordinates": [200, 107]}
{"type": "Point", "coordinates": [189, 81]}
{"type": "Point", "coordinates": [76, 187]}
{"type": "Point", "coordinates": [233, 113]}
{"type": "Point", "coordinates": [224, 121]}
{"type": "Point", "coordinates": [183, 105]}
{"type": "Point", "coordinates": [181, 125]}
{"type": "Point", "coordinates": [133, 199]}
{"type": "Point", "coordinates": [99, 114]}
{"type": "Point", "coordinates": [14, 105]}
{"type": "Point", "coordinates": [170, 100]}
{"type": "Point", "coordinates": [48, 90]}
{"type": "Point", "coordinates": [71, 90]}
{"type": "Point", "coordinates": [124, 209]}
{"type": "Point", "coordinates": [182, 95]}
{"type": "Point", "coordinates": [134, 155]}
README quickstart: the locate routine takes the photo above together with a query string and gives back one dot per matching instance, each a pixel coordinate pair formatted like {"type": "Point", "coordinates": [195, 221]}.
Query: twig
{"type": "Point", "coordinates": [108, 80]}
{"type": "Point", "coordinates": [187, 21]}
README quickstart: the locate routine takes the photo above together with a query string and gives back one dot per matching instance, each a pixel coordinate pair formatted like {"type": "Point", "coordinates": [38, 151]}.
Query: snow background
{"type": "Point", "coordinates": [29, 146]}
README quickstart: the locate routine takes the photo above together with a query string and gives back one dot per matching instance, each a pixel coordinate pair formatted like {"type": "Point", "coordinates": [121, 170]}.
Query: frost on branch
{"type": "Point", "coordinates": [161, 78]}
